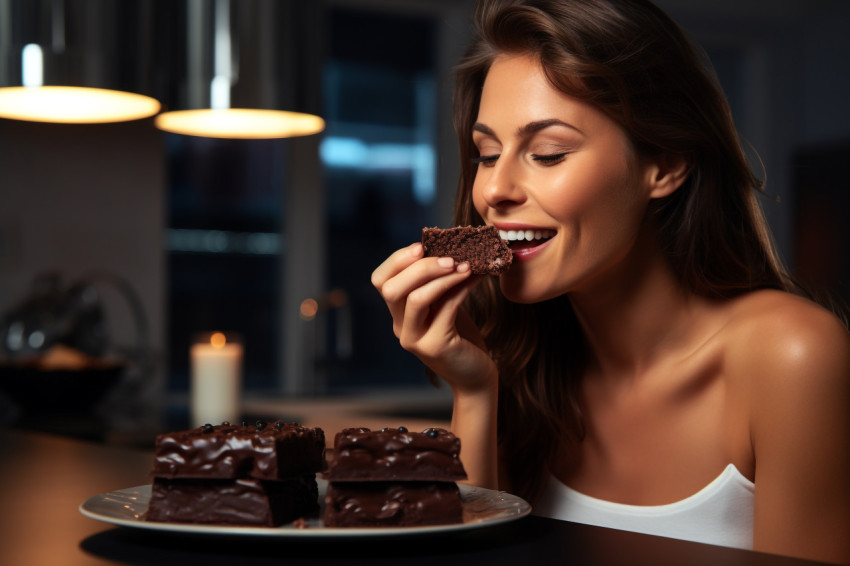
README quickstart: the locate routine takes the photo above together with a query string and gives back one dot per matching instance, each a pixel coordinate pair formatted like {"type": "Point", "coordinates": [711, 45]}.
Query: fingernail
{"type": "Point", "coordinates": [415, 249]}
{"type": "Point", "coordinates": [463, 267]}
{"type": "Point", "coordinates": [446, 262]}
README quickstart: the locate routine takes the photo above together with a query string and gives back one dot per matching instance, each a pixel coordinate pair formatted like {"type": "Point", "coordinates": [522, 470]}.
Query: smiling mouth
{"type": "Point", "coordinates": [523, 239]}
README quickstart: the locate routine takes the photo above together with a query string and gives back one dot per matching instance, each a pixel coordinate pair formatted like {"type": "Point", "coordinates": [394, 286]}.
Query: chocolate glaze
{"type": "Point", "coordinates": [246, 502]}
{"type": "Point", "coordinates": [361, 454]}
{"type": "Point", "coordinates": [481, 246]}
{"type": "Point", "coordinates": [228, 452]}
{"type": "Point", "coordinates": [380, 504]}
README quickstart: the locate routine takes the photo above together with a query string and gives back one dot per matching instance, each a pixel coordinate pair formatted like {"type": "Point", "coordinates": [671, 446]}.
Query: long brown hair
{"type": "Point", "coordinates": [632, 62]}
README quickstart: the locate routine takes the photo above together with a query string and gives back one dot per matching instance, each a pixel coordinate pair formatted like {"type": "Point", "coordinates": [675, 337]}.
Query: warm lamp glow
{"type": "Point", "coordinates": [239, 123]}
{"type": "Point", "coordinates": [74, 105]}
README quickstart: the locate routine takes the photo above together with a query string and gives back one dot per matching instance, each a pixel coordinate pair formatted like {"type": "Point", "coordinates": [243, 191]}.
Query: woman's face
{"type": "Point", "coordinates": [557, 170]}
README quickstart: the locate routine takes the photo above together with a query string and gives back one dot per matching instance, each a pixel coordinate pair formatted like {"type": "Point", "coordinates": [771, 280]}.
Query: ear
{"type": "Point", "coordinates": [665, 173]}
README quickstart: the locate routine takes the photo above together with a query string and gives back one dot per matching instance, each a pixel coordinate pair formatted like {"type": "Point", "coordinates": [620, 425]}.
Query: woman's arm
{"type": "Point", "coordinates": [800, 424]}
{"type": "Point", "coordinates": [474, 422]}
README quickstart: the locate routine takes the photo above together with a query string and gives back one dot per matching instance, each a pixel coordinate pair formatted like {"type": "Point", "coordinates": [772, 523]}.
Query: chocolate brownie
{"type": "Point", "coordinates": [395, 454]}
{"type": "Point", "coordinates": [399, 504]}
{"type": "Point", "coordinates": [263, 451]}
{"type": "Point", "coordinates": [245, 502]}
{"type": "Point", "coordinates": [257, 475]}
{"type": "Point", "coordinates": [480, 246]}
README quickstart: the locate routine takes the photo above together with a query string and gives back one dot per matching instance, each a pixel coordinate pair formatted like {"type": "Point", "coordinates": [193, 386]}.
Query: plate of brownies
{"type": "Point", "coordinates": [273, 479]}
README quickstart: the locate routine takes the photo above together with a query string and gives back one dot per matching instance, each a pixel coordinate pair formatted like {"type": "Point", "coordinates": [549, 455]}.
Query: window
{"type": "Point", "coordinates": [224, 210]}
{"type": "Point", "coordinates": [379, 159]}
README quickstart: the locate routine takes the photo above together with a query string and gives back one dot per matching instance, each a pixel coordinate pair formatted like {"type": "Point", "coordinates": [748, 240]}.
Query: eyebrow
{"type": "Point", "coordinates": [527, 129]}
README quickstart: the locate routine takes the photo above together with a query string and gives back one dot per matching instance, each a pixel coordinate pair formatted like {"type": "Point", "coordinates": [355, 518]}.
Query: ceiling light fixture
{"type": "Point", "coordinates": [206, 109]}
{"type": "Point", "coordinates": [43, 77]}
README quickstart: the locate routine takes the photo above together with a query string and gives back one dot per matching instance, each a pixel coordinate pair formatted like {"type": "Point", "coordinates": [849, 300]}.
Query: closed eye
{"type": "Point", "coordinates": [485, 160]}
{"type": "Point", "coordinates": [550, 159]}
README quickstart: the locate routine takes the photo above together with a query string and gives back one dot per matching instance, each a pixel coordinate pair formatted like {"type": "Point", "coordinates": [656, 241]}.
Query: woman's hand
{"type": "Point", "coordinates": [424, 296]}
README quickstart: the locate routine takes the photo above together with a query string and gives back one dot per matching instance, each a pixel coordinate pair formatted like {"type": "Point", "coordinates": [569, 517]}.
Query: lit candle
{"type": "Point", "coordinates": [216, 387]}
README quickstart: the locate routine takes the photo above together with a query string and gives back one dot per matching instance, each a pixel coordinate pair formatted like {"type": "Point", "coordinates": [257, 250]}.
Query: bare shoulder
{"type": "Point", "coordinates": [773, 334]}
{"type": "Point", "coordinates": [790, 359]}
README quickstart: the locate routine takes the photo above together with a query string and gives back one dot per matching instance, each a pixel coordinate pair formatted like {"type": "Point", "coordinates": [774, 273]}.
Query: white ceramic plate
{"type": "Point", "coordinates": [481, 508]}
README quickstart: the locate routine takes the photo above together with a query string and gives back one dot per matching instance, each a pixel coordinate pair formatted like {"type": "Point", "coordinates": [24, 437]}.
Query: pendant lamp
{"type": "Point", "coordinates": [62, 61]}
{"type": "Point", "coordinates": [235, 59]}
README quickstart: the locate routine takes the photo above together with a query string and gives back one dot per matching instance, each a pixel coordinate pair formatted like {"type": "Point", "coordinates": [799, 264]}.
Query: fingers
{"type": "Point", "coordinates": [398, 261]}
{"type": "Point", "coordinates": [431, 313]}
{"type": "Point", "coordinates": [437, 297]}
{"type": "Point", "coordinates": [445, 312]}
{"type": "Point", "coordinates": [408, 278]}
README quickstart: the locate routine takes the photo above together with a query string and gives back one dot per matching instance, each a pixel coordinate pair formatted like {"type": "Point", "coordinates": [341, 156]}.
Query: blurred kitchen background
{"type": "Point", "coordinates": [165, 235]}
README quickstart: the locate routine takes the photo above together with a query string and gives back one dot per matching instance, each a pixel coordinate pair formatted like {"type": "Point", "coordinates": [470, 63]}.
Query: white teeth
{"type": "Point", "coordinates": [520, 235]}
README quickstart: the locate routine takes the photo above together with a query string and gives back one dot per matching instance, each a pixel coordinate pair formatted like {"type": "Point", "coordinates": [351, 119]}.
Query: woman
{"type": "Point", "coordinates": [646, 363]}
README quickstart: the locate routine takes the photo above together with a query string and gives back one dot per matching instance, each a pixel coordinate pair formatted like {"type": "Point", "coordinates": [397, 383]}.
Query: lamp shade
{"type": "Point", "coordinates": [237, 56]}
{"type": "Point", "coordinates": [74, 105]}
{"type": "Point", "coordinates": [63, 61]}
{"type": "Point", "coordinates": [242, 123]}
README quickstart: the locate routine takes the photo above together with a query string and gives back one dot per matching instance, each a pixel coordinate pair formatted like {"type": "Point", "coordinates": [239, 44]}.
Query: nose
{"type": "Point", "coordinates": [500, 186]}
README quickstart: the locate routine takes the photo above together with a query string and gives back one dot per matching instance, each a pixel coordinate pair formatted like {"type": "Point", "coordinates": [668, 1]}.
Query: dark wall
{"type": "Point", "coordinates": [83, 198]}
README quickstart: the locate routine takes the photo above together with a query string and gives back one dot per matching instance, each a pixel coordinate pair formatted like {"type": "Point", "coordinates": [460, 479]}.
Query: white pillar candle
{"type": "Point", "coordinates": [216, 383]}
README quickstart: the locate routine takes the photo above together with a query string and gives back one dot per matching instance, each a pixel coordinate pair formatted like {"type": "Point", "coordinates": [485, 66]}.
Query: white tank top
{"type": "Point", "coordinates": [721, 513]}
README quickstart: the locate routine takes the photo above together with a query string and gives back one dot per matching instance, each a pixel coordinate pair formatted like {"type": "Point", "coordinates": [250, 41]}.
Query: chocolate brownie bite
{"type": "Point", "coordinates": [239, 502]}
{"type": "Point", "coordinates": [394, 477]}
{"type": "Point", "coordinates": [396, 454]}
{"type": "Point", "coordinates": [392, 504]}
{"type": "Point", "coordinates": [262, 474]}
{"type": "Point", "coordinates": [480, 246]}
{"type": "Point", "coordinates": [264, 451]}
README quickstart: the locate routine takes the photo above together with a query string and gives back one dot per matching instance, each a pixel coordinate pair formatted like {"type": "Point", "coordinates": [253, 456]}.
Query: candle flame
{"type": "Point", "coordinates": [218, 340]}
